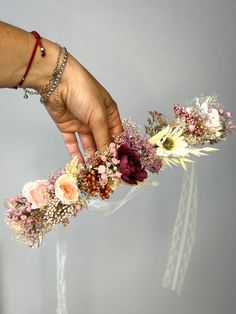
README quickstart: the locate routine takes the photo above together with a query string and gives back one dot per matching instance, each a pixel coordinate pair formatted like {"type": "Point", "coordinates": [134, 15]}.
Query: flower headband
{"type": "Point", "coordinates": [130, 159]}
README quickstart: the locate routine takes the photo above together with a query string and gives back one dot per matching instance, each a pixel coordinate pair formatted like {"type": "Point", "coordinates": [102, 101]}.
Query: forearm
{"type": "Point", "coordinates": [16, 46]}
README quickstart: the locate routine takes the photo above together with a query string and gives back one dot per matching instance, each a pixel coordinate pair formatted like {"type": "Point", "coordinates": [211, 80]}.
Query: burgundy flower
{"type": "Point", "coordinates": [130, 165]}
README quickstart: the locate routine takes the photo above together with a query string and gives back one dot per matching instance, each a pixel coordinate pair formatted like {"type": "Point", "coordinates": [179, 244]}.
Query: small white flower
{"type": "Point", "coordinates": [213, 118]}
{"type": "Point", "coordinates": [101, 169]}
{"type": "Point", "coordinates": [204, 107]}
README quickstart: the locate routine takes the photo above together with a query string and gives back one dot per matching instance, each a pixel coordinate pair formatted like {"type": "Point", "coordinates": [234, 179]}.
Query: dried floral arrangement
{"type": "Point", "coordinates": [129, 158]}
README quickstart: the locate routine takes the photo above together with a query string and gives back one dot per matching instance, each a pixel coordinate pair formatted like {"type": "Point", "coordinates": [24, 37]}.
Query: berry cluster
{"type": "Point", "coordinates": [93, 185]}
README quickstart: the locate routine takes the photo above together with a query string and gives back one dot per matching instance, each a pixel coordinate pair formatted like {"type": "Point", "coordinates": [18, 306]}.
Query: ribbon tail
{"type": "Point", "coordinates": [183, 236]}
{"type": "Point", "coordinates": [61, 282]}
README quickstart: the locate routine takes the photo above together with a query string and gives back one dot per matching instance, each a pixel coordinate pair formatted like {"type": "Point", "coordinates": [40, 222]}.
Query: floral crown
{"type": "Point", "coordinates": [129, 159]}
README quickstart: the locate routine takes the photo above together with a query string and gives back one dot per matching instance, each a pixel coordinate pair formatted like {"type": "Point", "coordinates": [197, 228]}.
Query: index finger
{"type": "Point", "coordinates": [114, 120]}
{"type": "Point", "coordinates": [100, 130]}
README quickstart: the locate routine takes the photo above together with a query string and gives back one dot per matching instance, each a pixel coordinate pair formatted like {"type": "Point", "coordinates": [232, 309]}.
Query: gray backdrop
{"type": "Point", "coordinates": [149, 55]}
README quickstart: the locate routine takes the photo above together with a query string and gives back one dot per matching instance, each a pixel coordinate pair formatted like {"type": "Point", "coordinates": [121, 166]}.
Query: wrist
{"type": "Point", "coordinates": [42, 68]}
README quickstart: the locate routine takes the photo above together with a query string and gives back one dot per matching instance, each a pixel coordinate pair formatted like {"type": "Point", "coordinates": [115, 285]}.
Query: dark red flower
{"type": "Point", "coordinates": [130, 165]}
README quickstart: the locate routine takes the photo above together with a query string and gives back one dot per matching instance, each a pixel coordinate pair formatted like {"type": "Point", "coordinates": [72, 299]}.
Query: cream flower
{"type": "Point", "coordinates": [170, 143]}
{"type": "Point", "coordinates": [73, 168]}
{"type": "Point", "coordinates": [173, 149]}
{"type": "Point", "coordinates": [171, 146]}
{"type": "Point", "coordinates": [36, 193]}
{"type": "Point", "coordinates": [66, 189]}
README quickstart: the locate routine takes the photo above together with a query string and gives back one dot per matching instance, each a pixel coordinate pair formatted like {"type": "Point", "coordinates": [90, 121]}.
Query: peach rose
{"type": "Point", "coordinates": [36, 193]}
{"type": "Point", "coordinates": [66, 189]}
{"type": "Point", "coordinates": [15, 226]}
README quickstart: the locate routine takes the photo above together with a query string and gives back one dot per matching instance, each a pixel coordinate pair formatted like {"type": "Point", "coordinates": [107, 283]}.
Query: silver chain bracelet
{"type": "Point", "coordinates": [54, 81]}
{"type": "Point", "coordinates": [47, 87]}
{"type": "Point", "coordinates": [57, 78]}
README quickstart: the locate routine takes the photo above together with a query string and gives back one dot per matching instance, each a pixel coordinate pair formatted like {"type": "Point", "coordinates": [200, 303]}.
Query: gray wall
{"type": "Point", "coordinates": [149, 55]}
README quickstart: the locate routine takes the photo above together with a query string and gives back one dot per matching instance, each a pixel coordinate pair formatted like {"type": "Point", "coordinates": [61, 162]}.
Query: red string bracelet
{"type": "Point", "coordinates": [43, 53]}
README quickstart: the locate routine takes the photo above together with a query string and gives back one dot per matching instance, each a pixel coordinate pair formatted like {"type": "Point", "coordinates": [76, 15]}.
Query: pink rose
{"type": "Point", "coordinates": [66, 189]}
{"type": "Point", "coordinates": [36, 193]}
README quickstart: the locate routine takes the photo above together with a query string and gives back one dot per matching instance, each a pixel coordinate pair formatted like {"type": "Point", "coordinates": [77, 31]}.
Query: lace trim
{"type": "Point", "coordinates": [61, 282]}
{"type": "Point", "coordinates": [183, 236]}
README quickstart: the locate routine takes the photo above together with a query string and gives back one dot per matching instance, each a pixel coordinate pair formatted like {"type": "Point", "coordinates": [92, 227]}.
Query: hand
{"type": "Point", "coordinates": [86, 108]}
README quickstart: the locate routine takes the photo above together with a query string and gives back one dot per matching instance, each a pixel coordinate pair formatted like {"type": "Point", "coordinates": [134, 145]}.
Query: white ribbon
{"type": "Point", "coordinates": [183, 236]}
{"type": "Point", "coordinates": [105, 208]}
{"type": "Point", "coordinates": [61, 282]}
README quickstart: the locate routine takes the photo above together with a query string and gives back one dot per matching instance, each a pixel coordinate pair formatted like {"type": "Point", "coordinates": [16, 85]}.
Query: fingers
{"type": "Point", "coordinates": [106, 125]}
{"type": "Point", "coordinates": [114, 120]}
{"type": "Point", "coordinates": [88, 143]}
{"type": "Point", "coordinates": [72, 146]}
{"type": "Point", "coordinates": [100, 130]}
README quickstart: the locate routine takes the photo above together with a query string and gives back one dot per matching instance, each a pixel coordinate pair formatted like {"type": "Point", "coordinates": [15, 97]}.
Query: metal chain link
{"type": "Point", "coordinates": [57, 78]}
{"type": "Point", "coordinates": [54, 81]}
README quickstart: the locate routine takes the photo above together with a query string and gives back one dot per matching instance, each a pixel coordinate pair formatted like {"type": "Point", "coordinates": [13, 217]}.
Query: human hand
{"type": "Point", "coordinates": [84, 108]}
